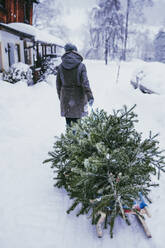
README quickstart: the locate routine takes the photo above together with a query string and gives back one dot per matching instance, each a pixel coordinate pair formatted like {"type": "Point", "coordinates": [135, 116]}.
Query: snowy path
{"type": "Point", "coordinates": [33, 212]}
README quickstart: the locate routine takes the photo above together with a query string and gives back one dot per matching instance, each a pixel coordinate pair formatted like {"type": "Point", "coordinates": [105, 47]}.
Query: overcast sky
{"type": "Point", "coordinates": [76, 15]}
{"type": "Point", "coordinates": [77, 12]}
{"type": "Point", "coordinates": [156, 14]}
{"type": "Point", "coordinates": [80, 3]}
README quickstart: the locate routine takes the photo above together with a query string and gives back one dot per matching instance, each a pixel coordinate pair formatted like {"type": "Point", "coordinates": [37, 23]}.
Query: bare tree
{"type": "Point", "coordinates": [126, 30]}
{"type": "Point", "coordinates": [134, 11]}
{"type": "Point", "coordinates": [47, 16]}
{"type": "Point", "coordinates": [107, 28]}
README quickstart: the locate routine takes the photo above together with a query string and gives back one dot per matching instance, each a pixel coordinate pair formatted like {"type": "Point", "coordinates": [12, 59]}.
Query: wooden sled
{"type": "Point", "coordinates": [141, 219]}
{"type": "Point", "coordinates": [100, 223]}
{"type": "Point", "coordinates": [139, 216]}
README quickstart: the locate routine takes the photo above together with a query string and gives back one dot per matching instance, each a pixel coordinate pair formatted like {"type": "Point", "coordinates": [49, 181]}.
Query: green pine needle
{"type": "Point", "coordinates": [105, 163]}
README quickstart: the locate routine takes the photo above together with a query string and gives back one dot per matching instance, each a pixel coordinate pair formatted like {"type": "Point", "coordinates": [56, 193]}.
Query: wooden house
{"type": "Point", "coordinates": [15, 46]}
{"type": "Point", "coordinates": [19, 40]}
{"type": "Point", "coordinates": [16, 11]}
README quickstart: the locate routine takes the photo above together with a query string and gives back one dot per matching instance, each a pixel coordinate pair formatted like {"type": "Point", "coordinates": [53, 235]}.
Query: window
{"type": "Point", "coordinates": [27, 8]}
{"type": "Point", "coordinates": [2, 3]}
{"type": "Point", "coordinates": [3, 19]}
{"type": "Point", "coordinates": [43, 50]}
{"type": "Point", "coordinates": [54, 49]}
{"type": "Point", "coordinates": [28, 50]}
{"type": "Point", "coordinates": [38, 57]}
{"type": "Point", "coordinates": [15, 9]}
{"type": "Point", "coordinates": [48, 50]}
{"type": "Point", "coordinates": [14, 54]}
{"type": "Point", "coordinates": [10, 49]}
{"type": "Point", "coordinates": [17, 53]}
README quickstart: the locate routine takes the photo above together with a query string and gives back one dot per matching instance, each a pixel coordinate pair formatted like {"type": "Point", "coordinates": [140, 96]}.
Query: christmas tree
{"type": "Point", "coordinates": [104, 164]}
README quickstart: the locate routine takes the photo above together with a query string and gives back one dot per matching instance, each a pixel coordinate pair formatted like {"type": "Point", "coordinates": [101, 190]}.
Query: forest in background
{"type": "Point", "coordinates": [108, 29]}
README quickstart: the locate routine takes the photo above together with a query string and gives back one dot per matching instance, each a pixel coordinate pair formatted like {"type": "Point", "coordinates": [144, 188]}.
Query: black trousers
{"type": "Point", "coordinates": [70, 120]}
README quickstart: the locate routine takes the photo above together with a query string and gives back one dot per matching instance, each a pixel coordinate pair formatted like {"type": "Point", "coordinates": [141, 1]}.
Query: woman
{"type": "Point", "coordinates": [72, 84]}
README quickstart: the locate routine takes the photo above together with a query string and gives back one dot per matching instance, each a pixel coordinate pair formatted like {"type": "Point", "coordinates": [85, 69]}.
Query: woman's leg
{"type": "Point", "coordinates": [70, 120]}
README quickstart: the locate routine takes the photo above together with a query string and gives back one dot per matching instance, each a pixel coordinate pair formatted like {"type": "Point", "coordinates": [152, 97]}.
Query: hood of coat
{"type": "Point", "coordinates": [71, 60]}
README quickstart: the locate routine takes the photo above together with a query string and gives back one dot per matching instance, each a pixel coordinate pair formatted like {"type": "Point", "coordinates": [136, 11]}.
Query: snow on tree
{"type": "Point", "coordinates": [159, 46]}
{"type": "Point", "coordinates": [113, 26]}
{"type": "Point", "coordinates": [107, 28]}
{"type": "Point", "coordinates": [134, 14]}
{"type": "Point", "coordinates": [47, 16]}
{"type": "Point", "coordinates": [104, 164]}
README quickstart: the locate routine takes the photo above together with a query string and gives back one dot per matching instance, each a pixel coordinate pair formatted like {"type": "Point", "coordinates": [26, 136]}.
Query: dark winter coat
{"type": "Point", "coordinates": [73, 86]}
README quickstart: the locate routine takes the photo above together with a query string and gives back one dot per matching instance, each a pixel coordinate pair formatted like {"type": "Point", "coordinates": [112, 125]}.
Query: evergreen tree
{"type": "Point", "coordinates": [103, 164]}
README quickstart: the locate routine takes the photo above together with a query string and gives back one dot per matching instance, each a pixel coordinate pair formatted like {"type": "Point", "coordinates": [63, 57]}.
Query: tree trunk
{"type": "Point", "coordinates": [126, 30]}
{"type": "Point", "coordinates": [106, 51]}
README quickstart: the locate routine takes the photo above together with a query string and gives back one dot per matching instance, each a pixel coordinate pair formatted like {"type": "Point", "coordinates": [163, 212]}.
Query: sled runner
{"type": "Point", "coordinates": [139, 209]}
{"type": "Point", "coordinates": [140, 218]}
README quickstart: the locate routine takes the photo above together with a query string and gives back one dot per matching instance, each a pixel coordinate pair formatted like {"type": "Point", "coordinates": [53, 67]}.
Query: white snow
{"type": "Point", "coordinates": [40, 35]}
{"type": "Point", "coordinates": [151, 76]}
{"type": "Point", "coordinates": [22, 27]}
{"type": "Point", "coordinates": [33, 212]}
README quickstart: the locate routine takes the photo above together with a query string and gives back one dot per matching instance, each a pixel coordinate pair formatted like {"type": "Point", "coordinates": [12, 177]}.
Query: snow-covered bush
{"type": "Point", "coordinates": [17, 72]}
{"type": "Point", "coordinates": [1, 76]}
{"type": "Point", "coordinates": [49, 67]}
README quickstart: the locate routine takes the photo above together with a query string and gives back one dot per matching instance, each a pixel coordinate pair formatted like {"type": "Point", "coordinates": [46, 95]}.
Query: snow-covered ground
{"type": "Point", "coordinates": [33, 212]}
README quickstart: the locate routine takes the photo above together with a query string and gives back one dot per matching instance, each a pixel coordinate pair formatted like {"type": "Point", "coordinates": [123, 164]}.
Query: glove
{"type": "Point", "coordinates": [91, 102]}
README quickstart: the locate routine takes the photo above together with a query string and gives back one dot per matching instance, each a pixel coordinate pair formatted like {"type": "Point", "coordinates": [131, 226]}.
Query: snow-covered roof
{"type": "Point", "coordinates": [22, 27]}
{"type": "Point", "coordinates": [44, 36]}
{"type": "Point", "coordinates": [11, 29]}
{"type": "Point", "coordinates": [39, 35]}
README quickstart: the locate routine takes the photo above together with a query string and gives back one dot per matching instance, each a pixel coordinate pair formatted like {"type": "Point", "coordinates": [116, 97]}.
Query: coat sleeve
{"type": "Point", "coordinates": [85, 83]}
{"type": "Point", "coordinates": [58, 83]}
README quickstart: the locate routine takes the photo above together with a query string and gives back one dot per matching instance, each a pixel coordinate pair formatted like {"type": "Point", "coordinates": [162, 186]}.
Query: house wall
{"type": "Point", "coordinates": [29, 53]}
{"type": "Point", "coordinates": [6, 39]}
{"type": "Point", "coordinates": [15, 11]}
{"type": "Point", "coordinates": [3, 16]}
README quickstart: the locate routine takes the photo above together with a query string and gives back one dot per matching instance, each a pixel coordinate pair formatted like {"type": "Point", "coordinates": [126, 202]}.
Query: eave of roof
{"type": "Point", "coordinates": [41, 36]}
{"type": "Point", "coordinates": [28, 31]}
{"type": "Point", "coordinates": [4, 26]}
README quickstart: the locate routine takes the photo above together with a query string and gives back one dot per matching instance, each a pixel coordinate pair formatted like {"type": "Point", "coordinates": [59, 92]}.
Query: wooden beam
{"type": "Point", "coordinates": [1, 62]}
